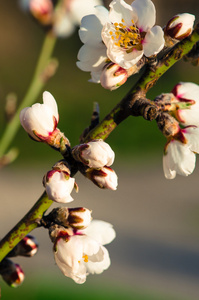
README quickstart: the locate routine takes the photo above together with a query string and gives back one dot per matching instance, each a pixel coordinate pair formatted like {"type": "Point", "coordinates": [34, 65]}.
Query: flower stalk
{"type": "Point", "coordinates": [29, 222]}
{"type": "Point", "coordinates": [39, 79]}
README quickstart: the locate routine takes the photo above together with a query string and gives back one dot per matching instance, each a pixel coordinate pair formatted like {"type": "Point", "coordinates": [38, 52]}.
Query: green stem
{"type": "Point", "coordinates": [34, 89]}
{"type": "Point", "coordinates": [124, 109]}
{"type": "Point", "coordinates": [29, 222]}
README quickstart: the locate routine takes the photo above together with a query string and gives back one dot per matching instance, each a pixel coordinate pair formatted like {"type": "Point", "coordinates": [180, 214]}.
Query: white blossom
{"type": "Point", "coordinates": [83, 253]}
{"type": "Point", "coordinates": [180, 156]}
{"type": "Point", "coordinates": [40, 120]}
{"type": "Point", "coordinates": [130, 32]}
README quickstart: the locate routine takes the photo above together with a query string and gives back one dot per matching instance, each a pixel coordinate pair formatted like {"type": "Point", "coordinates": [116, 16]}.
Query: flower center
{"type": "Point", "coordinates": [128, 38]}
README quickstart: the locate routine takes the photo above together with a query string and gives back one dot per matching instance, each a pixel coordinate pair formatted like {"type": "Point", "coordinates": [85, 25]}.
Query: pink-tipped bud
{"type": "Point", "coordinates": [180, 26]}
{"type": "Point", "coordinates": [42, 10]}
{"type": "Point", "coordinates": [105, 178]}
{"type": "Point", "coordinates": [59, 185]}
{"type": "Point", "coordinates": [95, 154]}
{"type": "Point", "coordinates": [40, 120]}
{"type": "Point", "coordinates": [11, 273]}
{"type": "Point", "coordinates": [28, 246]}
{"type": "Point", "coordinates": [79, 217]}
{"type": "Point", "coordinates": [113, 76]}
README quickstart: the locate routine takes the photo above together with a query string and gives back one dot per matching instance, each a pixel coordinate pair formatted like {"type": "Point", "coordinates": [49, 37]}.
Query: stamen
{"type": "Point", "coordinates": [85, 258]}
{"type": "Point", "coordinates": [128, 38]}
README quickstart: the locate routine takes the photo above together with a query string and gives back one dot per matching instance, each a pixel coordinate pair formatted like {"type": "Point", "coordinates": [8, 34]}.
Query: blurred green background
{"type": "Point", "coordinates": [156, 253]}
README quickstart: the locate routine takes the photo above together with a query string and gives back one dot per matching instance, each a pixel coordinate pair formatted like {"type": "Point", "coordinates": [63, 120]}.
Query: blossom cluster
{"type": "Point", "coordinates": [116, 41]}
{"type": "Point", "coordinates": [78, 242]}
{"type": "Point", "coordinates": [182, 104]}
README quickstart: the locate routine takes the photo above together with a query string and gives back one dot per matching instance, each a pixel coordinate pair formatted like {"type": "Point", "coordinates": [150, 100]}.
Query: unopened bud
{"type": "Point", "coordinates": [42, 10]}
{"type": "Point", "coordinates": [59, 184]}
{"type": "Point", "coordinates": [95, 154]}
{"type": "Point", "coordinates": [178, 28]}
{"type": "Point", "coordinates": [105, 178]}
{"type": "Point", "coordinates": [168, 125]}
{"type": "Point", "coordinates": [28, 246]}
{"type": "Point", "coordinates": [79, 217]}
{"type": "Point", "coordinates": [113, 76]}
{"type": "Point", "coordinates": [11, 273]}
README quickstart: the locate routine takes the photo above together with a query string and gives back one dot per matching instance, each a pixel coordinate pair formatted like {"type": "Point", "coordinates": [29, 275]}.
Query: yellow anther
{"type": "Point", "coordinates": [121, 25]}
{"type": "Point", "coordinates": [85, 258]}
{"type": "Point", "coordinates": [123, 20]}
{"type": "Point", "coordinates": [132, 21]}
{"type": "Point", "coordinates": [115, 24]}
{"type": "Point", "coordinates": [112, 37]}
{"type": "Point", "coordinates": [111, 32]}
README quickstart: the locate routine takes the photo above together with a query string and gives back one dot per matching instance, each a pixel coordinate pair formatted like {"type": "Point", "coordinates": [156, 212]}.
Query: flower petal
{"type": "Point", "coordinates": [91, 26]}
{"type": "Point", "coordinates": [180, 159]}
{"type": "Point", "coordinates": [119, 10]}
{"type": "Point", "coordinates": [101, 231]}
{"type": "Point", "coordinates": [154, 41]}
{"type": "Point", "coordinates": [146, 13]}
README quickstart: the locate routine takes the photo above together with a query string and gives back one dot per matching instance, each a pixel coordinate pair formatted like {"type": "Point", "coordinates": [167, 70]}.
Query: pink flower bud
{"type": "Point", "coordinates": [28, 246]}
{"type": "Point", "coordinates": [104, 178]}
{"type": "Point", "coordinates": [12, 274]}
{"type": "Point", "coordinates": [180, 26]}
{"type": "Point", "coordinates": [58, 186]}
{"type": "Point", "coordinates": [113, 76]}
{"type": "Point", "coordinates": [95, 154]}
{"type": "Point", "coordinates": [79, 217]}
{"type": "Point", "coordinates": [42, 10]}
{"type": "Point", "coordinates": [40, 120]}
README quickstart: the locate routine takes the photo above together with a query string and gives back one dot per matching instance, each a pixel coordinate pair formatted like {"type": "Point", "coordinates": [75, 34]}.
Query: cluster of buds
{"type": "Point", "coordinates": [96, 158]}
{"type": "Point", "coordinates": [179, 122]}
{"type": "Point", "coordinates": [61, 19]}
{"type": "Point", "coordinates": [11, 272]}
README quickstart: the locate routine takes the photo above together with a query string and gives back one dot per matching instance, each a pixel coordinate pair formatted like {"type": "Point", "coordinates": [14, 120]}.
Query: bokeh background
{"type": "Point", "coordinates": [156, 252]}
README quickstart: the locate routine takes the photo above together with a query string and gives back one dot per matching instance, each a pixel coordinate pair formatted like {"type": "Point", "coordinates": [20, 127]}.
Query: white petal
{"type": "Point", "coordinates": [119, 10]}
{"type": "Point", "coordinates": [91, 58]}
{"type": "Point", "coordinates": [192, 135]}
{"type": "Point", "coordinates": [101, 231]}
{"type": "Point", "coordinates": [189, 116]}
{"type": "Point", "coordinates": [99, 262]}
{"type": "Point", "coordinates": [180, 159]}
{"type": "Point", "coordinates": [91, 26]}
{"type": "Point", "coordinates": [187, 90]}
{"type": "Point", "coordinates": [49, 100]}
{"type": "Point", "coordinates": [79, 9]}
{"type": "Point", "coordinates": [146, 13]}
{"type": "Point", "coordinates": [154, 41]}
